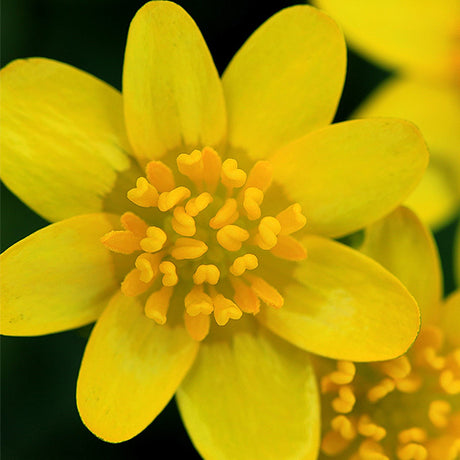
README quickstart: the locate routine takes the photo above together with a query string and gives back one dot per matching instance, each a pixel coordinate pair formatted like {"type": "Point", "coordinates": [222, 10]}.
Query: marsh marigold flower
{"type": "Point", "coordinates": [406, 408]}
{"type": "Point", "coordinates": [193, 218]}
{"type": "Point", "coordinates": [420, 42]}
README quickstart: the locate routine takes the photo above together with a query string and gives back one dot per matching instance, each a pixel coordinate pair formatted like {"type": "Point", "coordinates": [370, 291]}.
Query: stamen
{"type": "Point", "coordinates": [343, 425]}
{"type": "Point", "coordinates": [188, 248]}
{"type": "Point", "coordinates": [289, 248]}
{"type": "Point", "coordinates": [449, 383]}
{"type": "Point", "coordinates": [265, 291]}
{"type": "Point", "coordinates": [438, 413]}
{"type": "Point", "coordinates": [269, 228]}
{"type": "Point", "coordinates": [144, 194]}
{"type": "Point", "coordinates": [231, 176]}
{"type": "Point", "coordinates": [147, 264]}
{"type": "Point", "coordinates": [369, 429]}
{"type": "Point", "coordinates": [191, 165]}
{"type": "Point", "coordinates": [243, 263]}
{"type": "Point", "coordinates": [134, 224]}
{"type": "Point", "coordinates": [231, 237]}
{"type": "Point", "coordinates": [398, 368]}
{"type": "Point", "coordinates": [212, 164]}
{"type": "Point", "coordinates": [226, 215]}
{"type": "Point", "coordinates": [412, 451]}
{"type": "Point", "coordinates": [206, 274]}
{"type": "Point", "coordinates": [224, 309]}
{"type": "Point", "coordinates": [195, 205]}
{"type": "Point", "coordinates": [182, 223]}
{"type": "Point", "coordinates": [414, 434]}
{"type": "Point", "coordinates": [380, 390]}
{"type": "Point", "coordinates": [291, 219]}
{"type": "Point", "coordinates": [157, 305]}
{"type": "Point", "coordinates": [132, 285]}
{"type": "Point", "coordinates": [333, 443]}
{"type": "Point", "coordinates": [167, 200]}
{"type": "Point", "coordinates": [245, 297]}
{"type": "Point", "coordinates": [169, 273]}
{"type": "Point", "coordinates": [197, 326]}
{"type": "Point", "coordinates": [160, 176]}
{"type": "Point", "coordinates": [345, 373]}
{"type": "Point", "coordinates": [198, 302]}
{"type": "Point", "coordinates": [156, 238]}
{"type": "Point", "coordinates": [121, 241]}
{"type": "Point", "coordinates": [371, 450]}
{"type": "Point", "coordinates": [252, 200]}
{"type": "Point", "coordinates": [410, 384]}
{"type": "Point", "coordinates": [345, 401]}
{"type": "Point", "coordinates": [260, 176]}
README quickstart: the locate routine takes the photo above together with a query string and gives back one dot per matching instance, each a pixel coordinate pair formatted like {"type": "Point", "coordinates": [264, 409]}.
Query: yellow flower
{"type": "Point", "coordinates": [202, 201]}
{"type": "Point", "coordinates": [407, 408]}
{"type": "Point", "coordinates": [420, 40]}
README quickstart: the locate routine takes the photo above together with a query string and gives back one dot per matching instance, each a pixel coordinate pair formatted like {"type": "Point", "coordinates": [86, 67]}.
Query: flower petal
{"type": "Point", "coordinates": [285, 81]}
{"type": "Point", "coordinates": [60, 277]}
{"type": "Point", "coordinates": [174, 99]}
{"type": "Point", "coordinates": [436, 111]}
{"type": "Point", "coordinates": [343, 305]}
{"type": "Point", "coordinates": [63, 142]}
{"type": "Point", "coordinates": [402, 244]}
{"type": "Point", "coordinates": [251, 396]}
{"type": "Point", "coordinates": [130, 370]}
{"type": "Point", "coordinates": [419, 37]}
{"type": "Point", "coordinates": [450, 317]}
{"type": "Point", "coordinates": [350, 174]}
{"type": "Point", "coordinates": [457, 255]}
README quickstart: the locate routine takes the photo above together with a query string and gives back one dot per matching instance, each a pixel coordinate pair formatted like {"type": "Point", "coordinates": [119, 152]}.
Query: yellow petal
{"type": "Point", "coordinates": [252, 396]}
{"type": "Point", "coordinates": [435, 109]}
{"type": "Point", "coordinates": [63, 143]}
{"type": "Point", "coordinates": [450, 317]}
{"type": "Point", "coordinates": [60, 277]}
{"type": "Point", "coordinates": [413, 36]}
{"type": "Point", "coordinates": [350, 174]}
{"type": "Point", "coordinates": [172, 92]}
{"type": "Point", "coordinates": [402, 244]}
{"type": "Point", "coordinates": [343, 305]}
{"type": "Point", "coordinates": [285, 81]}
{"type": "Point", "coordinates": [130, 370]}
{"type": "Point", "coordinates": [457, 255]}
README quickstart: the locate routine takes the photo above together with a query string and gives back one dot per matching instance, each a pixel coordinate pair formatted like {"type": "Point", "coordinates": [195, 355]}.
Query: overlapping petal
{"type": "Point", "coordinates": [130, 370]}
{"type": "Point", "coordinates": [250, 396]}
{"type": "Point", "coordinates": [60, 277]}
{"type": "Point", "coordinates": [343, 305]}
{"type": "Point", "coordinates": [63, 140]}
{"type": "Point", "coordinates": [172, 94]}
{"type": "Point", "coordinates": [450, 317]}
{"type": "Point", "coordinates": [285, 81]}
{"type": "Point", "coordinates": [405, 247]}
{"type": "Point", "coordinates": [350, 174]}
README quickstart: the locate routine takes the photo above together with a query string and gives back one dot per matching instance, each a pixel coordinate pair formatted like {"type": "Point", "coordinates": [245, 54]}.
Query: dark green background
{"type": "Point", "coordinates": [39, 416]}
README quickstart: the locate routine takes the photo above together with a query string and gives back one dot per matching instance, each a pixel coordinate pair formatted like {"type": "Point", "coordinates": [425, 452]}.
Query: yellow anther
{"type": "Point", "coordinates": [410, 384]}
{"type": "Point", "coordinates": [197, 326]}
{"type": "Point", "coordinates": [449, 382]}
{"type": "Point", "coordinates": [379, 391]}
{"type": "Point", "coordinates": [188, 248]}
{"type": "Point", "coordinates": [206, 274]}
{"type": "Point", "coordinates": [231, 176]}
{"type": "Point", "coordinates": [231, 237]}
{"type": "Point", "coordinates": [147, 264]}
{"type": "Point", "coordinates": [155, 240]}
{"type": "Point", "coordinates": [260, 176]}
{"type": "Point", "coordinates": [167, 200]}
{"type": "Point", "coordinates": [245, 297]}
{"type": "Point", "coordinates": [144, 194]}
{"type": "Point", "coordinates": [371, 450]}
{"type": "Point", "coordinates": [169, 273]}
{"type": "Point", "coordinates": [414, 434]}
{"type": "Point", "coordinates": [157, 305]}
{"type": "Point", "coordinates": [398, 368]}
{"type": "Point", "coordinates": [134, 224]}
{"type": "Point", "coordinates": [343, 425]}
{"type": "Point", "coordinates": [439, 412]}
{"type": "Point", "coordinates": [226, 215]}
{"type": "Point", "coordinates": [224, 309]}
{"type": "Point", "coordinates": [121, 241]}
{"type": "Point", "coordinates": [289, 248]}
{"type": "Point", "coordinates": [191, 165]}
{"type": "Point", "coordinates": [412, 451]}
{"type": "Point", "coordinates": [430, 357]}
{"type": "Point", "coordinates": [345, 373]}
{"type": "Point", "coordinates": [160, 176]}
{"type": "Point", "coordinates": [132, 285]}
{"type": "Point", "coordinates": [333, 443]}
{"type": "Point", "coordinates": [212, 164]}
{"type": "Point", "coordinates": [243, 263]}
{"type": "Point", "coordinates": [268, 229]}
{"type": "Point", "coordinates": [195, 205]}
{"type": "Point", "coordinates": [265, 291]}
{"type": "Point", "coordinates": [291, 219]}
{"type": "Point", "coordinates": [369, 429]}
{"type": "Point", "coordinates": [182, 223]}
{"type": "Point", "coordinates": [252, 200]}
{"type": "Point", "coordinates": [327, 385]}
{"type": "Point", "coordinates": [198, 302]}
{"type": "Point", "coordinates": [345, 401]}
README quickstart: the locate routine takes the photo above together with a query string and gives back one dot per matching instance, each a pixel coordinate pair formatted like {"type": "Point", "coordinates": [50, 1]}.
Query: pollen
{"type": "Point", "coordinates": [203, 242]}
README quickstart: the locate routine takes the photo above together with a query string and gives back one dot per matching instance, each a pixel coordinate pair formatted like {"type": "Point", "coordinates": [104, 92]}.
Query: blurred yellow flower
{"type": "Point", "coordinates": [420, 40]}
{"type": "Point", "coordinates": [407, 408]}
{"type": "Point", "coordinates": [185, 191]}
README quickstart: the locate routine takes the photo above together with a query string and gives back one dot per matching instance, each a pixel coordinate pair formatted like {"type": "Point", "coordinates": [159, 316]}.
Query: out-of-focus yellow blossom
{"type": "Point", "coordinates": [420, 40]}
{"type": "Point", "coordinates": [212, 203]}
{"type": "Point", "coordinates": [407, 408]}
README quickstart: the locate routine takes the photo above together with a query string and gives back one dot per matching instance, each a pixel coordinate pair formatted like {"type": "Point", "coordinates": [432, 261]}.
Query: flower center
{"type": "Point", "coordinates": [407, 408]}
{"type": "Point", "coordinates": [208, 239]}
